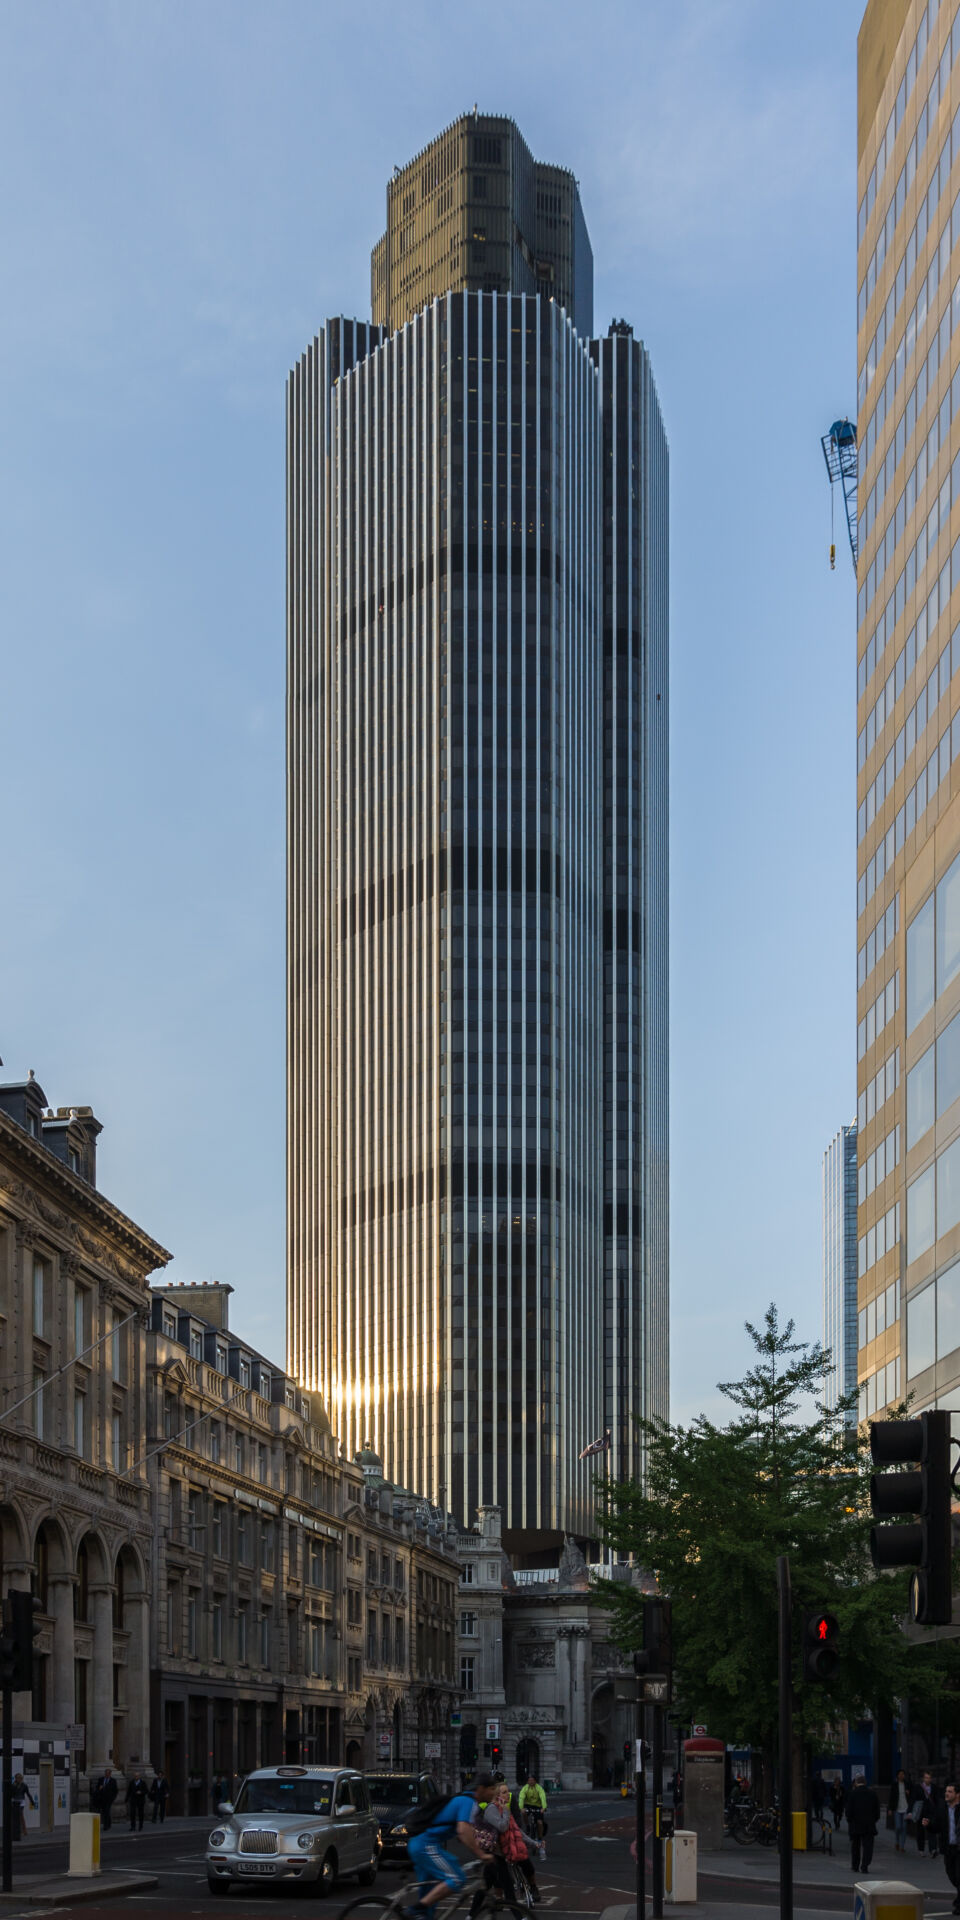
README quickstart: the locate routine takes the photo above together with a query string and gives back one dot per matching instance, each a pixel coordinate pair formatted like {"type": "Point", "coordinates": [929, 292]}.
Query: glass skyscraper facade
{"type": "Point", "coordinates": [908, 704]}
{"type": "Point", "coordinates": [477, 896]}
{"type": "Point", "coordinates": [839, 1260]}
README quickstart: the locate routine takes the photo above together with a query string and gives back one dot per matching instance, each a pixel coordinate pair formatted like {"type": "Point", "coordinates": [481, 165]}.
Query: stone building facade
{"type": "Point", "coordinates": [75, 1513]}
{"type": "Point", "coordinates": [306, 1610]}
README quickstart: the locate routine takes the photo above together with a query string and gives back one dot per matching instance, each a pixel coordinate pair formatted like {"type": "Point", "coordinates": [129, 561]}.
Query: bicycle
{"type": "Point", "coordinates": [534, 1823]}
{"type": "Point", "coordinates": [378, 1906]}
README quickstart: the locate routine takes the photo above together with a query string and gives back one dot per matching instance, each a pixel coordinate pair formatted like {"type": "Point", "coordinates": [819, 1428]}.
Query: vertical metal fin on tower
{"type": "Point", "coordinates": [840, 453]}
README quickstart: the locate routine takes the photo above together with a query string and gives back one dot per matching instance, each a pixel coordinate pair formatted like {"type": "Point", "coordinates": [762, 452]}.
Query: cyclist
{"type": "Point", "coordinates": [533, 1803]}
{"type": "Point", "coordinates": [437, 1870]}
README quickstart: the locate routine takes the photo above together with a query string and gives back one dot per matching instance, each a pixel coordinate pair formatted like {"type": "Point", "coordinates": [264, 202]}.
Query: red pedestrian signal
{"type": "Point", "coordinates": [821, 1646]}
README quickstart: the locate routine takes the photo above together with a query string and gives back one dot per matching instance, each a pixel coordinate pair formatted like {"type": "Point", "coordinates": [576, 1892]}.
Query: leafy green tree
{"type": "Point", "coordinates": [784, 1476]}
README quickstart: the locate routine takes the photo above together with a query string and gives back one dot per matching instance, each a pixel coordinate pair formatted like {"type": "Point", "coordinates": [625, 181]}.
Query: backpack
{"type": "Point", "coordinates": [422, 1817]}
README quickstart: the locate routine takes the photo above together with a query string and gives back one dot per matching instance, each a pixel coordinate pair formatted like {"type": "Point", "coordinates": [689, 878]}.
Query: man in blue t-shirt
{"type": "Point", "coordinates": [437, 1870]}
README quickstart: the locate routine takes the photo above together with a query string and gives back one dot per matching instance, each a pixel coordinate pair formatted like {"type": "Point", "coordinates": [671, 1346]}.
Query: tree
{"type": "Point", "coordinates": [721, 1503]}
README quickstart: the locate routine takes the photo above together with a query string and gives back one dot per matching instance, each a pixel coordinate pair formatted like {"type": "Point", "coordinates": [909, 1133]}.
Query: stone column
{"type": "Point", "coordinates": [60, 1706]}
{"type": "Point", "coordinates": [100, 1689]}
{"type": "Point", "coordinates": [137, 1619]}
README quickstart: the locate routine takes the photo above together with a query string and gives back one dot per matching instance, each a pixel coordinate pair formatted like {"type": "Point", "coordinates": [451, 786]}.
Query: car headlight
{"type": "Point", "coordinates": [401, 1832]}
{"type": "Point", "coordinates": [218, 1837]}
{"type": "Point", "coordinates": [305, 1840]}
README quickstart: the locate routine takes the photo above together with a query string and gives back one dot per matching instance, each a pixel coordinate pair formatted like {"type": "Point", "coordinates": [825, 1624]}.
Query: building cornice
{"type": "Point", "coordinates": [37, 1161]}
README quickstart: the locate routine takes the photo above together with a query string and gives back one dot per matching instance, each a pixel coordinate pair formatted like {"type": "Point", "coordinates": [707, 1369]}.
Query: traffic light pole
{"type": "Point", "coordinates": [786, 1740]}
{"type": "Point", "coordinates": [641, 1797]}
{"type": "Point", "coordinates": [7, 1789]}
{"type": "Point", "coordinates": [656, 1875]}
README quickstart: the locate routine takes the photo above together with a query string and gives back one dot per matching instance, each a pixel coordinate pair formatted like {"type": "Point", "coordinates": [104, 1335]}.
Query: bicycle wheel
{"type": "Point", "coordinates": [744, 1832]}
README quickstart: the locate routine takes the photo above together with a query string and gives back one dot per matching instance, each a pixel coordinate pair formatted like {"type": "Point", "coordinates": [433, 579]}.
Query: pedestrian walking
{"type": "Point", "coordinates": [159, 1794]}
{"type": "Point", "coordinates": [19, 1793]}
{"type": "Point", "coordinates": [106, 1794]}
{"type": "Point", "coordinates": [948, 1837]}
{"type": "Point", "coordinates": [925, 1812]}
{"type": "Point", "coordinates": [899, 1804]}
{"type": "Point", "coordinates": [136, 1799]}
{"type": "Point", "coordinates": [838, 1800]}
{"type": "Point", "coordinates": [863, 1815]}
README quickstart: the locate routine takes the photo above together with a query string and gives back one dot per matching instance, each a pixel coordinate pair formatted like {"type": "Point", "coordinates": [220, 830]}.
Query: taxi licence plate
{"type": "Point", "coordinates": [257, 1866]}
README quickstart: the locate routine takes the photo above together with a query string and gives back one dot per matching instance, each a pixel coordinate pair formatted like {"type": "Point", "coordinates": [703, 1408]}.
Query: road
{"type": "Point", "coordinates": [588, 1868]}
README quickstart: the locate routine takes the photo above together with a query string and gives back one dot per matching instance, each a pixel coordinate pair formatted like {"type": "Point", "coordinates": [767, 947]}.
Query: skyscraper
{"type": "Point", "coordinates": [840, 1265]}
{"type": "Point", "coordinates": [908, 704]}
{"type": "Point", "coordinates": [477, 830]}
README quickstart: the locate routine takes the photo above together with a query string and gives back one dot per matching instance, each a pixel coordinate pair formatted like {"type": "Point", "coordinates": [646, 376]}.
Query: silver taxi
{"type": "Point", "coordinates": [312, 1824]}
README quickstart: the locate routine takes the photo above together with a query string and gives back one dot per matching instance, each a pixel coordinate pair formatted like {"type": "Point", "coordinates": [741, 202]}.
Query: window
{"type": "Point", "coordinates": [316, 1564]}
{"type": "Point", "coordinates": [467, 1574]}
{"type": "Point", "coordinates": [372, 1637]}
{"type": "Point", "coordinates": [921, 1335]}
{"type": "Point", "coordinates": [399, 1644]}
{"type": "Point", "coordinates": [116, 1349]}
{"type": "Point", "coordinates": [948, 1188]}
{"type": "Point", "coordinates": [290, 1398]}
{"type": "Point", "coordinates": [920, 1097]}
{"type": "Point", "coordinates": [80, 1424]}
{"type": "Point", "coordinates": [169, 1416]}
{"type": "Point", "coordinates": [39, 1299]}
{"type": "Point", "coordinates": [243, 1538]}
{"type": "Point", "coordinates": [118, 1448]}
{"type": "Point", "coordinates": [238, 1452]}
{"type": "Point", "coordinates": [215, 1441]}
{"type": "Point", "coordinates": [195, 1519]}
{"type": "Point", "coordinates": [386, 1641]}
{"type": "Point", "coordinates": [216, 1630]}
{"type": "Point", "coordinates": [79, 1320]}
{"type": "Point", "coordinates": [170, 1325]}
{"type": "Point", "coordinates": [948, 927]}
{"type": "Point", "coordinates": [468, 1626]}
{"type": "Point", "coordinates": [293, 1551]}
{"type": "Point", "coordinates": [221, 1357]}
{"type": "Point", "coordinates": [244, 1373]}
{"type": "Point", "coordinates": [266, 1383]}
{"type": "Point", "coordinates": [920, 958]}
{"type": "Point", "coordinates": [193, 1623]}
{"type": "Point", "coordinates": [266, 1546]}
{"type": "Point", "coordinates": [196, 1343]}
{"type": "Point", "coordinates": [243, 1612]}
{"type": "Point", "coordinates": [948, 1311]}
{"type": "Point", "coordinates": [218, 1530]}
{"type": "Point", "coordinates": [466, 1673]}
{"type": "Point", "coordinates": [314, 1635]}
{"type": "Point", "coordinates": [920, 1212]}
{"type": "Point", "coordinates": [173, 1617]}
{"type": "Point", "coordinates": [266, 1621]}
{"type": "Point", "coordinates": [948, 1066]}
{"type": "Point", "coordinates": [39, 1403]}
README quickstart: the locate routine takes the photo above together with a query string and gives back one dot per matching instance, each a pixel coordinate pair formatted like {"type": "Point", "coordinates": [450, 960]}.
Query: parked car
{"type": "Point", "coordinates": [312, 1824]}
{"type": "Point", "coordinates": [391, 1796]}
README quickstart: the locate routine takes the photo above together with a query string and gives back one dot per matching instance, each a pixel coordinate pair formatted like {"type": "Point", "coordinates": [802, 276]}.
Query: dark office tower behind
{"type": "Point", "coordinates": [477, 918]}
{"type": "Point", "coordinates": [475, 211]}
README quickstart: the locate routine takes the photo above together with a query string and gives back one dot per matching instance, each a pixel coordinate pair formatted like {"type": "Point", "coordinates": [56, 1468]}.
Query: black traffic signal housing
{"type": "Point", "coordinates": [821, 1645]}
{"type": "Point", "coordinates": [496, 1752]}
{"type": "Point", "coordinates": [16, 1642]}
{"type": "Point", "coordinates": [627, 1750]}
{"type": "Point", "coordinates": [926, 1543]}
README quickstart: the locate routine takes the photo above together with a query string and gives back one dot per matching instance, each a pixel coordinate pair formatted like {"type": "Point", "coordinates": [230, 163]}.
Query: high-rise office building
{"type": "Point", "coordinates": [908, 704]}
{"type": "Point", "coordinates": [839, 1261]}
{"type": "Point", "coordinates": [477, 893]}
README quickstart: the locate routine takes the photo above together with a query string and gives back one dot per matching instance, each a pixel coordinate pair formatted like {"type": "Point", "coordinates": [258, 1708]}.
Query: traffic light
{"type": "Point", "coordinates": [627, 1750]}
{"type": "Point", "coordinates": [658, 1634]}
{"type": "Point", "coordinates": [642, 1664]}
{"type": "Point", "coordinates": [927, 1542]}
{"type": "Point", "coordinates": [16, 1642]}
{"type": "Point", "coordinates": [496, 1753]}
{"type": "Point", "coordinates": [821, 1646]}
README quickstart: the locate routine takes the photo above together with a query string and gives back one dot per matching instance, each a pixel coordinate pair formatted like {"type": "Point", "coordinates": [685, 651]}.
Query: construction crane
{"type": "Point", "coordinates": [840, 453]}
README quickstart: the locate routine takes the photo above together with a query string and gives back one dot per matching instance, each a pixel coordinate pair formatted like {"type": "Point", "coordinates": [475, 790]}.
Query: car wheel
{"type": "Point", "coordinates": [216, 1885]}
{"type": "Point", "coordinates": [327, 1878]}
{"type": "Point", "coordinates": [368, 1874]}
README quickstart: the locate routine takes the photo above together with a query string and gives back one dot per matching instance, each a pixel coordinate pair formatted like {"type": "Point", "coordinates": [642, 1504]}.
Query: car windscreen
{"type": "Point", "coordinates": [284, 1796]}
{"type": "Point", "coordinates": [391, 1793]}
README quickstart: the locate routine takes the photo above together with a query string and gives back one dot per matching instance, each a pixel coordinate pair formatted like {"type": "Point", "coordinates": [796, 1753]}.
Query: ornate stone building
{"type": "Point", "coordinates": [75, 1521]}
{"type": "Point", "coordinates": [305, 1608]}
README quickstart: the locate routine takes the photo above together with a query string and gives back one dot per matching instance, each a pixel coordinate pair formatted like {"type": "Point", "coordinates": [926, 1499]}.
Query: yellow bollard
{"type": "Point", "coordinates": [799, 1833]}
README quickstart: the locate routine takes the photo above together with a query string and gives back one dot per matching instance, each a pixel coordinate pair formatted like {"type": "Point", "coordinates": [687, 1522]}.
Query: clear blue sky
{"type": "Point", "coordinates": [188, 191]}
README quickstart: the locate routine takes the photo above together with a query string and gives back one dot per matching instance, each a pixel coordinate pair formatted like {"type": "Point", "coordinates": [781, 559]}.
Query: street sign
{"type": "Point", "coordinates": [697, 1733]}
{"type": "Point", "coordinates": [456, 1718]}
{"type": "Point", "coordinates": [76, 1736]}
{"type": "Point", "coordinates": [386, 1745]}
{"type": "Point", "coordinates": [431, 1749]}
{"type": "Point", "coordinates": [656, 1690]}
{"type": "Point", "coordinates": [492, 1729]}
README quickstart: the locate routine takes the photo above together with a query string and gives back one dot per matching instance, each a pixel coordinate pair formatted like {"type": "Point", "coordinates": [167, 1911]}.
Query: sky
{"type": "Point", "coordinates": [191, 187]}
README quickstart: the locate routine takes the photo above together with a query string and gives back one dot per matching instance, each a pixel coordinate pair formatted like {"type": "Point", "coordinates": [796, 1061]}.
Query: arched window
{"type": "Point", "coordinates": [81, 1591]}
